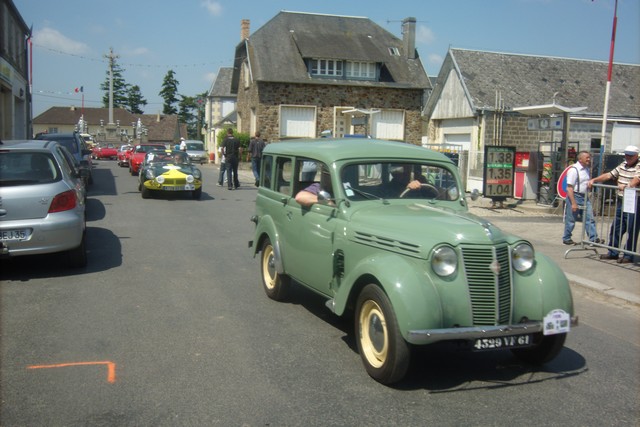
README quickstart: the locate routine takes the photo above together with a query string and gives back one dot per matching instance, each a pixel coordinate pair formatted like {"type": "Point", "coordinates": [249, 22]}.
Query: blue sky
{"type": "Point", "coordinates": [197, 37]}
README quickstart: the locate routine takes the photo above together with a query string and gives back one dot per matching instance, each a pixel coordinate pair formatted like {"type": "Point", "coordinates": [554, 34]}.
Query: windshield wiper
{"type": "Point", "coordinates": [368, 195]}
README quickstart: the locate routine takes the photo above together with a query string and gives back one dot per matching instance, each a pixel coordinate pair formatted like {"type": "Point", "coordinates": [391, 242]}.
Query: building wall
{"type": "Point", "coordinates": [266, 98]}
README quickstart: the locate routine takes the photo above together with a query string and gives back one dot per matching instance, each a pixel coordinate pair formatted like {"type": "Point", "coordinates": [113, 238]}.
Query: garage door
{"type": "Point", "coordinates": [388, 124]}
{"type": "Point", "coordinates": [297, 122]}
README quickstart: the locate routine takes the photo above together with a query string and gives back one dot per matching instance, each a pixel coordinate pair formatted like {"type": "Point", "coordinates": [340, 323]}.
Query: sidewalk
{"type": "Point", "coordinates": [543, 227]}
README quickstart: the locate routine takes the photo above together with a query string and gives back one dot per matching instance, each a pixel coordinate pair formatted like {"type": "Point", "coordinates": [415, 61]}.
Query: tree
{"type": "Point", "coordinates": [120, 88]}
{"type": "Point", "coordinates": [135, 100]}
{"type": "Point", "coordinates": [169, 93]}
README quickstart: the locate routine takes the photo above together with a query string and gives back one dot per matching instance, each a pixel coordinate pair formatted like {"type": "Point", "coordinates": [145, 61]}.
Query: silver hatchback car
{"type": "Point", "coordinates": [42, 202]}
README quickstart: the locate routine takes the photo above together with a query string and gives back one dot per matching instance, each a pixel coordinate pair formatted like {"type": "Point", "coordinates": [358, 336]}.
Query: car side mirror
{"type": "Point", "coordinates": [475, 194]}
{"type": "Point", "coordinates": [324, 197]}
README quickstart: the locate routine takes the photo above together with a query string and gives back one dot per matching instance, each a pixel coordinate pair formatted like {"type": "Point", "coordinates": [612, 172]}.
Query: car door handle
{"type": "Point", "coordinates": [3, 212]}
{"type": "Point", "coordinates": [289, 215]}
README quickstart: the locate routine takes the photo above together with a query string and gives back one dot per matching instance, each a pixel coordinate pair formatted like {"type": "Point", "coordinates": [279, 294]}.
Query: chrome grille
{"type": "Point", "coordinates": [490, 293]}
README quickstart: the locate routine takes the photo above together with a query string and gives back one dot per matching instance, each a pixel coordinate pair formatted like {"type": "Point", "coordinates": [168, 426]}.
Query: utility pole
{"type": "Point", "coordinates": [112, 57]}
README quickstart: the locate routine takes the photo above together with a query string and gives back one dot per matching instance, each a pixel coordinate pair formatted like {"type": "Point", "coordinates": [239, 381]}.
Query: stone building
{"type": "Point", "coordinates": [304, 75]}
{"type": "Point", "coordinates": [488, 98]}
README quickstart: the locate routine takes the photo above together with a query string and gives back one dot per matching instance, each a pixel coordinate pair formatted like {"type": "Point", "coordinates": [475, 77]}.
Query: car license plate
{"type": "Point", "coordinates": [14, 235]}
{"type": "Point", "coordinates": [173, 188]}
{"type": "Point", "coordinates": [495, 343]}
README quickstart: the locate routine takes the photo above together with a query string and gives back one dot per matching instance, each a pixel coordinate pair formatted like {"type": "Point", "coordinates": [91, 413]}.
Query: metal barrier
{"type": "Point", "coordinates": [617, 220]}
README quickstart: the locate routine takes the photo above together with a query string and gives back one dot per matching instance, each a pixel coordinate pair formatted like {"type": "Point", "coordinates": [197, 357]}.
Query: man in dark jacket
{"type": "Point", "coordinates": [256, 145]}
{"type": "Point", "coordinates": [232, 150]}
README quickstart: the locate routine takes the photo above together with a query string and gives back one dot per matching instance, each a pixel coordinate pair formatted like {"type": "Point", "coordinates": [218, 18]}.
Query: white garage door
{"type": "Point", "coordinates": [388, 124]}
{"type": "Point", "coordinates": [297, 122]}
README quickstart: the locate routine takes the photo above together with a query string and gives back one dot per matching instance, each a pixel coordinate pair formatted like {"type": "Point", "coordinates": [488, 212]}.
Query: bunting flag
{"type": "Point", "coordinates": [79, 89]}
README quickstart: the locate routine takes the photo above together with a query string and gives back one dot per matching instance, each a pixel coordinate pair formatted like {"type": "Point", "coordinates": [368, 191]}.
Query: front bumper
{"type": "Point", "coordinates": [430, 336]}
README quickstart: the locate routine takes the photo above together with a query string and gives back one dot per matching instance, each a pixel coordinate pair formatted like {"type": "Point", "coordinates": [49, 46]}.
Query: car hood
{"type": "Point", "coordinates": [414, 228]}
{"type": "Point", "coordinates": [169, 167]}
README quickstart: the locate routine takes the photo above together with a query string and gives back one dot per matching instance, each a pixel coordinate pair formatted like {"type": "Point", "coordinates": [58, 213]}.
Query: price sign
{"type": "Point", "coordinates": [498, 171]}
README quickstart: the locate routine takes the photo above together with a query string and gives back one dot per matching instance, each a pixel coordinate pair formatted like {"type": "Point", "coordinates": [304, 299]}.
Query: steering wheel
{"type": "Point", "coordinates": [428, 187]}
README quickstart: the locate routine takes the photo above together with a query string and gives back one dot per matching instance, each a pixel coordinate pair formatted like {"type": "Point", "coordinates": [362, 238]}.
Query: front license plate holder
{"type": "Point", "coordinates": [497, 343]}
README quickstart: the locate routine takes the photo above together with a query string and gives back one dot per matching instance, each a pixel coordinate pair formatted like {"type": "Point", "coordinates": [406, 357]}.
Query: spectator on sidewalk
{"type": "Point", "coordinates": [578, 203]}
{"type": "Point", "coordinates": [256, 145]}
{"type": "Point", "coordinates": [623, 222]}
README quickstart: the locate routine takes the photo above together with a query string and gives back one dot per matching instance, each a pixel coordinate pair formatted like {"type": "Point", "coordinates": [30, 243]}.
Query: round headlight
{"type": "Point", "coordinates": [444, 261]}
{"type": "Point", "coordinates": [189, 179]}
{"type": "Point", "coordinates": [522, 257]}
{"type": "Point", "coordinates": [160, 179]}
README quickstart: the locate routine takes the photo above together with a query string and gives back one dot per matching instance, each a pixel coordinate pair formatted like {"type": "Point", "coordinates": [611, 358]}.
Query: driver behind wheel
{"type": "Point", "coordinates": [401, 180]}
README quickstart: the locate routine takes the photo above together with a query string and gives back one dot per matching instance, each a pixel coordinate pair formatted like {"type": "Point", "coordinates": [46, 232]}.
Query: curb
{"type": "Point", "coordinates": [603, 289]}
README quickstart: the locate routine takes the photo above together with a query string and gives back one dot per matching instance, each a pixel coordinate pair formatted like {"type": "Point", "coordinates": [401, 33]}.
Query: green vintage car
{"type": "Point", "coordinates": [382, 230]}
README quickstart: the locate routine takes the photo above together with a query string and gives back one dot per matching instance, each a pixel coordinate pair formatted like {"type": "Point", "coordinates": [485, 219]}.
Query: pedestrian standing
{"type": "Point", "coordinates": [624, 222]}
{"type": "Point", "coordinates": [223, 166]}
{"type": "Point", "coordinates": [578, 177]}
{"type": "Point", "coordinates": [183, 144]}
{"type": "Point", "coordinates": [256, 145]}
{"type": "Point", "coordinates": [232, 152]}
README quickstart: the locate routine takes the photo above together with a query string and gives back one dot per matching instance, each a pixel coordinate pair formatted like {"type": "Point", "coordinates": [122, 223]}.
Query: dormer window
{"type": "Point", "coordinates": [326, 67]}
{"type": "Point", "coordinates": [361, 70]}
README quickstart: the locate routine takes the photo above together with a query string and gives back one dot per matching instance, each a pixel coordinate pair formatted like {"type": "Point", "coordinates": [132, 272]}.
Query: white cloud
{"type": "Point", "coordinates": [424, 35]}
{"type": "Point", "coordinates": [214, 7]}
{"type": "Point", "coordinates": [136, 51]}
{"type": "Point", "coordinates": [53, 39]}
{"type": "Point", "coordinates": [210, 77]}
{"type": "Point", "coordinates": [435, 59]}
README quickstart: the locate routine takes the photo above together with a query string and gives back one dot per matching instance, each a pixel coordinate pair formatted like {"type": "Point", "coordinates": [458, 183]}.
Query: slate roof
{"type": "Point", "coordinates": [525, 80]}
{"type": "Point", "coordinates": [277, 50]}
{"type": "Point", "coordinates": [221, 87]}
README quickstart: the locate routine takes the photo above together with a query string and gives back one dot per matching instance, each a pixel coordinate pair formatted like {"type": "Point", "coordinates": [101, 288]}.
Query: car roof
{"type": "Point", "coordinates": [329, 150]}
{"type": "Point", "coordinates": [27, 144]}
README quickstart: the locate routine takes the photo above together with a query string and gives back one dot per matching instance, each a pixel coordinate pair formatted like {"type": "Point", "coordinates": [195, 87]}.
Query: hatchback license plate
{"type": "Point", "coordinates": [14, 235]}
{"type": "Point", "coordinates": [495, 343]}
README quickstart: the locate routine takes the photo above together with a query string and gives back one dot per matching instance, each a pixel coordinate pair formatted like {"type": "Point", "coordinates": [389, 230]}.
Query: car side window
{"type": "Point", "coordinates": [284, 173]}
{"type": "Point", "coordinates": [67, 161]}
{"type": "Point", "coordinates": [267, 166]}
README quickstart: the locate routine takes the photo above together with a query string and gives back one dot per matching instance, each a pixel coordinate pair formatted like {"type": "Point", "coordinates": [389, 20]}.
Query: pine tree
{"type": "Point", "coordinates": [120, 88]}
{"type": "Point", "coordinates": [169, 93]}
{"type": "Point", "coordinates": [135, 100]}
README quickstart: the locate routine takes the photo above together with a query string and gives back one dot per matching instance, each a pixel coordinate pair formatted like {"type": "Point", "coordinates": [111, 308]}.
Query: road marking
{"type": "Point", "coordinates": [111, 368]}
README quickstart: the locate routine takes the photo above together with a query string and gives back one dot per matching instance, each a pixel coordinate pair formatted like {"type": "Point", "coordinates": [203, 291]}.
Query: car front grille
{"type": "Point", "coordinates": [489, 286]}
{"type": "Point", "coordinates": [174, 181]}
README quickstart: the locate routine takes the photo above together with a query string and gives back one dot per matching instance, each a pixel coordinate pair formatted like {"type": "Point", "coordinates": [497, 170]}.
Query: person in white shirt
{"type": "Point", "coordinates": [577, 203]}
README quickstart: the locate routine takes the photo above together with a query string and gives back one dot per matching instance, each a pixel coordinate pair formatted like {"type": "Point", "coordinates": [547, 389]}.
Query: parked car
{"type": "Point", "coordinates": [137, 156]}
{"type": "Point", "coordinates": [104, 151]}
{"type": "Point", "coordinates": [89, 141]}
{"type": "Point", "coordinates": [42, 201]}
{"type": "Point", "coordinates": [77, 147]}
{"type": "Point", "coordinates": [169, 171]}
{"type": "Point", "coordinates": [123, 154]}
{"type": "Point", "coordinates": [196, 151]}
{"type": "Point", "coordinates": [390, 239]}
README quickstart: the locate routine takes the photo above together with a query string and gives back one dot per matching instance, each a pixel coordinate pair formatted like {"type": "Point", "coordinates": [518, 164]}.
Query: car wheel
{"type": "Point", "coordinates": [197, 194]}
{"type": "Point", "coordinates": [549, 347]}
{"type": "Point", "coordinates": [146, 193]}
{"type": "Point", "coordinates": [275, 285]}
{"type": "Point", "coordinates": [384, 352]}
{"type": "Point", "coordinates": [77, 257]}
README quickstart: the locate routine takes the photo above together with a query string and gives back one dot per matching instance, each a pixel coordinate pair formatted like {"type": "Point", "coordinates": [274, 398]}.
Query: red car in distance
{"type": "Point", "coordinates": [123, 154]}
{"type": "Point", "coordinates": [104, 151]}
{"type": "Point", "coordinates": [138, 153]}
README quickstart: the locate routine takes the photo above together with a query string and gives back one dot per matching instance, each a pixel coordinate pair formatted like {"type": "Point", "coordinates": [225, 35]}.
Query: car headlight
{"type": "Point", "coordinates": [189, 179]}
{"type": "Point", "coordinates": [522, 257]}
{"type": "Point", "coordinates": [197, 174]}
{"type": "Point", "coordinates": [444, 261]}
{"type": "Point", "coordinates": [160, 179]}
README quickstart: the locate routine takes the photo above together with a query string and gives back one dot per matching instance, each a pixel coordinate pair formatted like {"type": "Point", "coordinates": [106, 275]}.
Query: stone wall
{"type": "Point", "coordinates": [266, 98]}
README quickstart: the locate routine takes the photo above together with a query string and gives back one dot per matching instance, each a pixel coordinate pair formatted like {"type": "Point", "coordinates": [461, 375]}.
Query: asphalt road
{"type": "Point", "coordinates": [168, 326]}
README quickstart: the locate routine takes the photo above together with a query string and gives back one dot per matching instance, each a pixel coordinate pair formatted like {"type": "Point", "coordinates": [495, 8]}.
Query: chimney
{"type": "Point", "coordinates": [409, 37]}
{"type": "Point", "coordinates": [244, 29]}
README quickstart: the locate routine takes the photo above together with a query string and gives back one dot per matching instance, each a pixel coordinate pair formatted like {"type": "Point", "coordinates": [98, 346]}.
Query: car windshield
{"type": "Point", "coordinates": [69, 143]}
{"type": "Point", "coordinates": [195, 146]}
{"type": "Point", "coordinates": [147, 148]}
{"type": "Point", "coordinates": [399, 180]}
{"type": "Point", "coordinates": [21, 168]}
